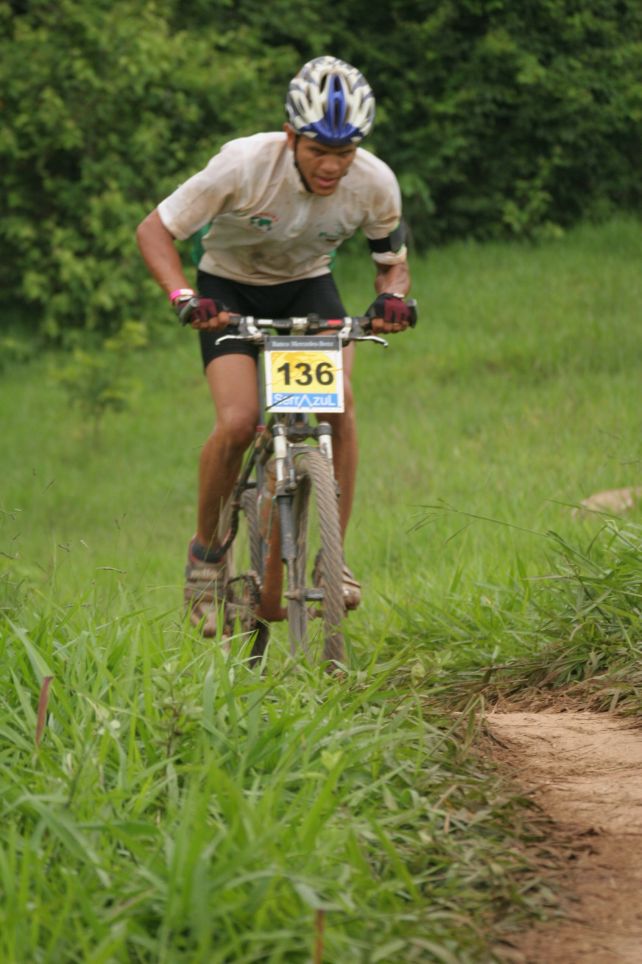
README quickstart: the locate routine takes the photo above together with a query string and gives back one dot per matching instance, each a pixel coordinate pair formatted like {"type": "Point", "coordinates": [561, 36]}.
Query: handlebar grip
{"type": "Point", "coordinates": [185, 314]}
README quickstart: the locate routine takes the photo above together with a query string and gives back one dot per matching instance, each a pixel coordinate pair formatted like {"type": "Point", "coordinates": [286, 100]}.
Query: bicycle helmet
{"type": "Point", "coordinates": [330, 101]}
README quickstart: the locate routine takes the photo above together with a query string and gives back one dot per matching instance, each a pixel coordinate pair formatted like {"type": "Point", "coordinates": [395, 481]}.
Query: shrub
{"type": "Point", "coordinates": [499, 118]}
{"type": "Point", "coordinates": [111, 108]}
{"type": "Point", "coordinates": [98, 381]}
{"type": "Point", "coordinates": [502, 117]}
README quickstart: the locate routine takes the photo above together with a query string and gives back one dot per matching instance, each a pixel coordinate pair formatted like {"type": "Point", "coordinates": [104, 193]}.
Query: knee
{"type": "Point", "coordinates": [236, 427]}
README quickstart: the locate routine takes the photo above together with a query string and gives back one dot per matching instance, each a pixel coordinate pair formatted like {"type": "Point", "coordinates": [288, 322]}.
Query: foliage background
{"type": "Point", "coordinates": [499, 118]}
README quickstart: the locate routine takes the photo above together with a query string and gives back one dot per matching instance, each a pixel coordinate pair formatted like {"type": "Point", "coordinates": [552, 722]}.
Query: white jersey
{"type": "Point", "coordinates": [265, 227]}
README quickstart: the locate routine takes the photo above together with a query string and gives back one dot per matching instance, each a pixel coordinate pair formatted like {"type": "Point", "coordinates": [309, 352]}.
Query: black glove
{"type": "Point", "coordinates": [196, 309]}
{"type": "Point", "coordinates": [393, 309]}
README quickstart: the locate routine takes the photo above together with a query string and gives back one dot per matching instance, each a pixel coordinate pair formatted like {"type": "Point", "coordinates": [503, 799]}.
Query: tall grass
{"type": "Point", "coordinates": [179, 806]}
{"type": "Point", "coordinates": [574, 630]}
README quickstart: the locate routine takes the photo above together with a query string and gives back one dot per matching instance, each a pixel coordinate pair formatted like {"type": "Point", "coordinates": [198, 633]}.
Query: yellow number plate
{"type": "Point", "coordinates": [304, 374]}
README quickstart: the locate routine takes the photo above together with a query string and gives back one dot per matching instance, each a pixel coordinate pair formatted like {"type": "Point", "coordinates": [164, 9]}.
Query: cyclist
{"type": "Point", "coordinates": [275, 206]}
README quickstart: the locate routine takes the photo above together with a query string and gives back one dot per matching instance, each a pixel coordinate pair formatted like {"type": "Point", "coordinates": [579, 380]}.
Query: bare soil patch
{"type": "Point", "coordinates": [584, 770]}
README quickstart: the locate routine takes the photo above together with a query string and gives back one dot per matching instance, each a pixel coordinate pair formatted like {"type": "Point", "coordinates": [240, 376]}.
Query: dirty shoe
{"type": "Point", "coordinates": [204, 591]}
{"type": "Point", "coordinates": [351, 586]}
{"type": "Point", "coordinates": [351, 589]}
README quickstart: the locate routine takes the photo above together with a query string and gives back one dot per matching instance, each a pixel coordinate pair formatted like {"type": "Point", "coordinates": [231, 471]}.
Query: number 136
{"type": "Point", "coordinates": [305, 374]}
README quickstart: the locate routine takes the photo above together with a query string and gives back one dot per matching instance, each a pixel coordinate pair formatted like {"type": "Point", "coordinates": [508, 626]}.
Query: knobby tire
{"type": "Point", "coordinates": [319, 562]}
{"type": "Point", "coordinates": [244, 575]}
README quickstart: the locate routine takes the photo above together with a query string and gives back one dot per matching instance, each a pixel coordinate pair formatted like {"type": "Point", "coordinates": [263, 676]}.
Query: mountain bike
{"type": "Point", "coordinates": [281, 525]}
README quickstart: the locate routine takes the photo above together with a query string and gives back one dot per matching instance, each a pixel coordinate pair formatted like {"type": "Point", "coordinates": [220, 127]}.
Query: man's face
{"type": "Point", "coordinates": [321, 167]}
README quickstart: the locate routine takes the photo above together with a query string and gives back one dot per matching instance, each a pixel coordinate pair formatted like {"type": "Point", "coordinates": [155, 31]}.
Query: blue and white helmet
{"type": "Point", "coordinates": [331, 101]}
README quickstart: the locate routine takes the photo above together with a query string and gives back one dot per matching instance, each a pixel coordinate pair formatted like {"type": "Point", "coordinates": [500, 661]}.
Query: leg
{"type": "Point", "coordinates": [232, 382]}
{"type": "Point", "coordinates": [344, 443]}
{"type": "Point", "coordinates": [320, 295]}
{"type": "Point", "coordinates": [346, 455]}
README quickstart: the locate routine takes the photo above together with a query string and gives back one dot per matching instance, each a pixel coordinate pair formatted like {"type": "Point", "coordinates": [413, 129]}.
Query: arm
{"type": "Point", "coordinates": [158, 248]}
{"type": "Point", "coordinates": [159, 253]}
{"type": "Point", "coordinates": [192, 205]}
{"type": "Point", "coordinates": [393, 279]}
{"type": "Point", "coordinates": [388, 251]}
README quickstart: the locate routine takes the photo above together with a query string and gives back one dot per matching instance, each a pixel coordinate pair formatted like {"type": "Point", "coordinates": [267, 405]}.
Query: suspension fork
{"type": "Point", "coordinates": [323, 433]}
{"type": "Point", "coordinates": [284, 471]}
{"type": "Point", "coordinates": [286, 481]}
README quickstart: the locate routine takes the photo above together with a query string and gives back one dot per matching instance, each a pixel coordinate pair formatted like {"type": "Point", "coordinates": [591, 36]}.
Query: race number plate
{"type": "Point", "coordinates": [303, 374]}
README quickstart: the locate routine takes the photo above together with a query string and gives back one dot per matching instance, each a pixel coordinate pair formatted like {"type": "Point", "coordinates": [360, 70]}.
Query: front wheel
{"type": "Point", "coordinates": [315, 577]}
{"type": "Point", "coordinates": [243, 590]}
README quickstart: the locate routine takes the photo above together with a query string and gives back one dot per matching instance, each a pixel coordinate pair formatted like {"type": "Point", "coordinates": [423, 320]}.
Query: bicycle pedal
{"type": "Point", "coordinates": [249, 579]}
{"type": "Point", "coordinates": [242, 596]}
{"type": "Point", "coordinates": [316, 594]}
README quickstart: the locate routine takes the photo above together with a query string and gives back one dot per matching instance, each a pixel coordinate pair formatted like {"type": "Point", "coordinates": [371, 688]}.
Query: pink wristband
{"type": "Point", "coordinates": [181, 293]}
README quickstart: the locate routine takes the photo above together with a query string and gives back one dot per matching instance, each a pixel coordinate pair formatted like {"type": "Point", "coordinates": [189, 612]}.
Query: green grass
{"type": "Point", "coordinates": [180, 807]}
{"type": "Point", "coordinates": [575, 630]}
{"type": "Point", "coordinates": [169, 804]}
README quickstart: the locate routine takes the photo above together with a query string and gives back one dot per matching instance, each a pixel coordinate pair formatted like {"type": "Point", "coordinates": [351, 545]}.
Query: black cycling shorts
{"type": "Point", "coordinates": [294, 299]}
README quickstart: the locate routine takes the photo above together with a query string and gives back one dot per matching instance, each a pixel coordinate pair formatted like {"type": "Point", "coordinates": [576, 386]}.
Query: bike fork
{"type": "Point", "coordinates": [283, 497]}
{"type": "Point", "coordinates": [323, 433]}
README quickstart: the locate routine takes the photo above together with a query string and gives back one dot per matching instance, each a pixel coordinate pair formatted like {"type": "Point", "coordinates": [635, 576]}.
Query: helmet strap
{"type": "Point", "coordinates": [296, 164]}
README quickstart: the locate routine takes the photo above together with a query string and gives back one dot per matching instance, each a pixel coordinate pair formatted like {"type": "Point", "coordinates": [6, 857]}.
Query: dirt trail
{"type": "Point", "coordinates": [585, 771]}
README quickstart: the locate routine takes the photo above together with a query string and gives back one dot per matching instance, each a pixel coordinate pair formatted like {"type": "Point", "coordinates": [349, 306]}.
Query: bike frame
{"type": "Point", "coordinates": [279, 440]}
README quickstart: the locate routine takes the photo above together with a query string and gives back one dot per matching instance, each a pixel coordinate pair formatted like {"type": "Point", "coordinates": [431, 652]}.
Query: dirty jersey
{"type": "Point", "coordinates": [264, 227]}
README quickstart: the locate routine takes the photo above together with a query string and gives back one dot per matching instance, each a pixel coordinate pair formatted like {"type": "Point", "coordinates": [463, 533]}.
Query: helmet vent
{"type": "Point", "coordinates": [331, 101]}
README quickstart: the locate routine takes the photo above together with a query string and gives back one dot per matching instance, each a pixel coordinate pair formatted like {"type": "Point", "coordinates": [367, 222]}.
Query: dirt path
{"type": "Point", "coordinates": [585, 771]}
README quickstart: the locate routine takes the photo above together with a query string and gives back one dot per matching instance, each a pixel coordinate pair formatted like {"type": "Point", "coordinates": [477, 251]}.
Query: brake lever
{"type": "Point", "coordinates": [375, 338]}
{"type": "Point", "coordinates": [248, 331]}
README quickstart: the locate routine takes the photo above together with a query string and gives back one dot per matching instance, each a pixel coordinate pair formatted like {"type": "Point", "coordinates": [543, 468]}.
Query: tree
{"type": "Point", "coordinates": [498, 118]}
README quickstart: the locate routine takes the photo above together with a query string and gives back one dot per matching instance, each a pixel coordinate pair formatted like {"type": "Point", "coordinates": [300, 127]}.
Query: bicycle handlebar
{"type": "Point", "coordinates": [254, 330]}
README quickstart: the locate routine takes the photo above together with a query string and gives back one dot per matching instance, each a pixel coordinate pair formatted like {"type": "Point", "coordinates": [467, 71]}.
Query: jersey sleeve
{"type": "Point", "coordinates": [384, 226]}
{"type": "Point", "coordinates": [217, 189]}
